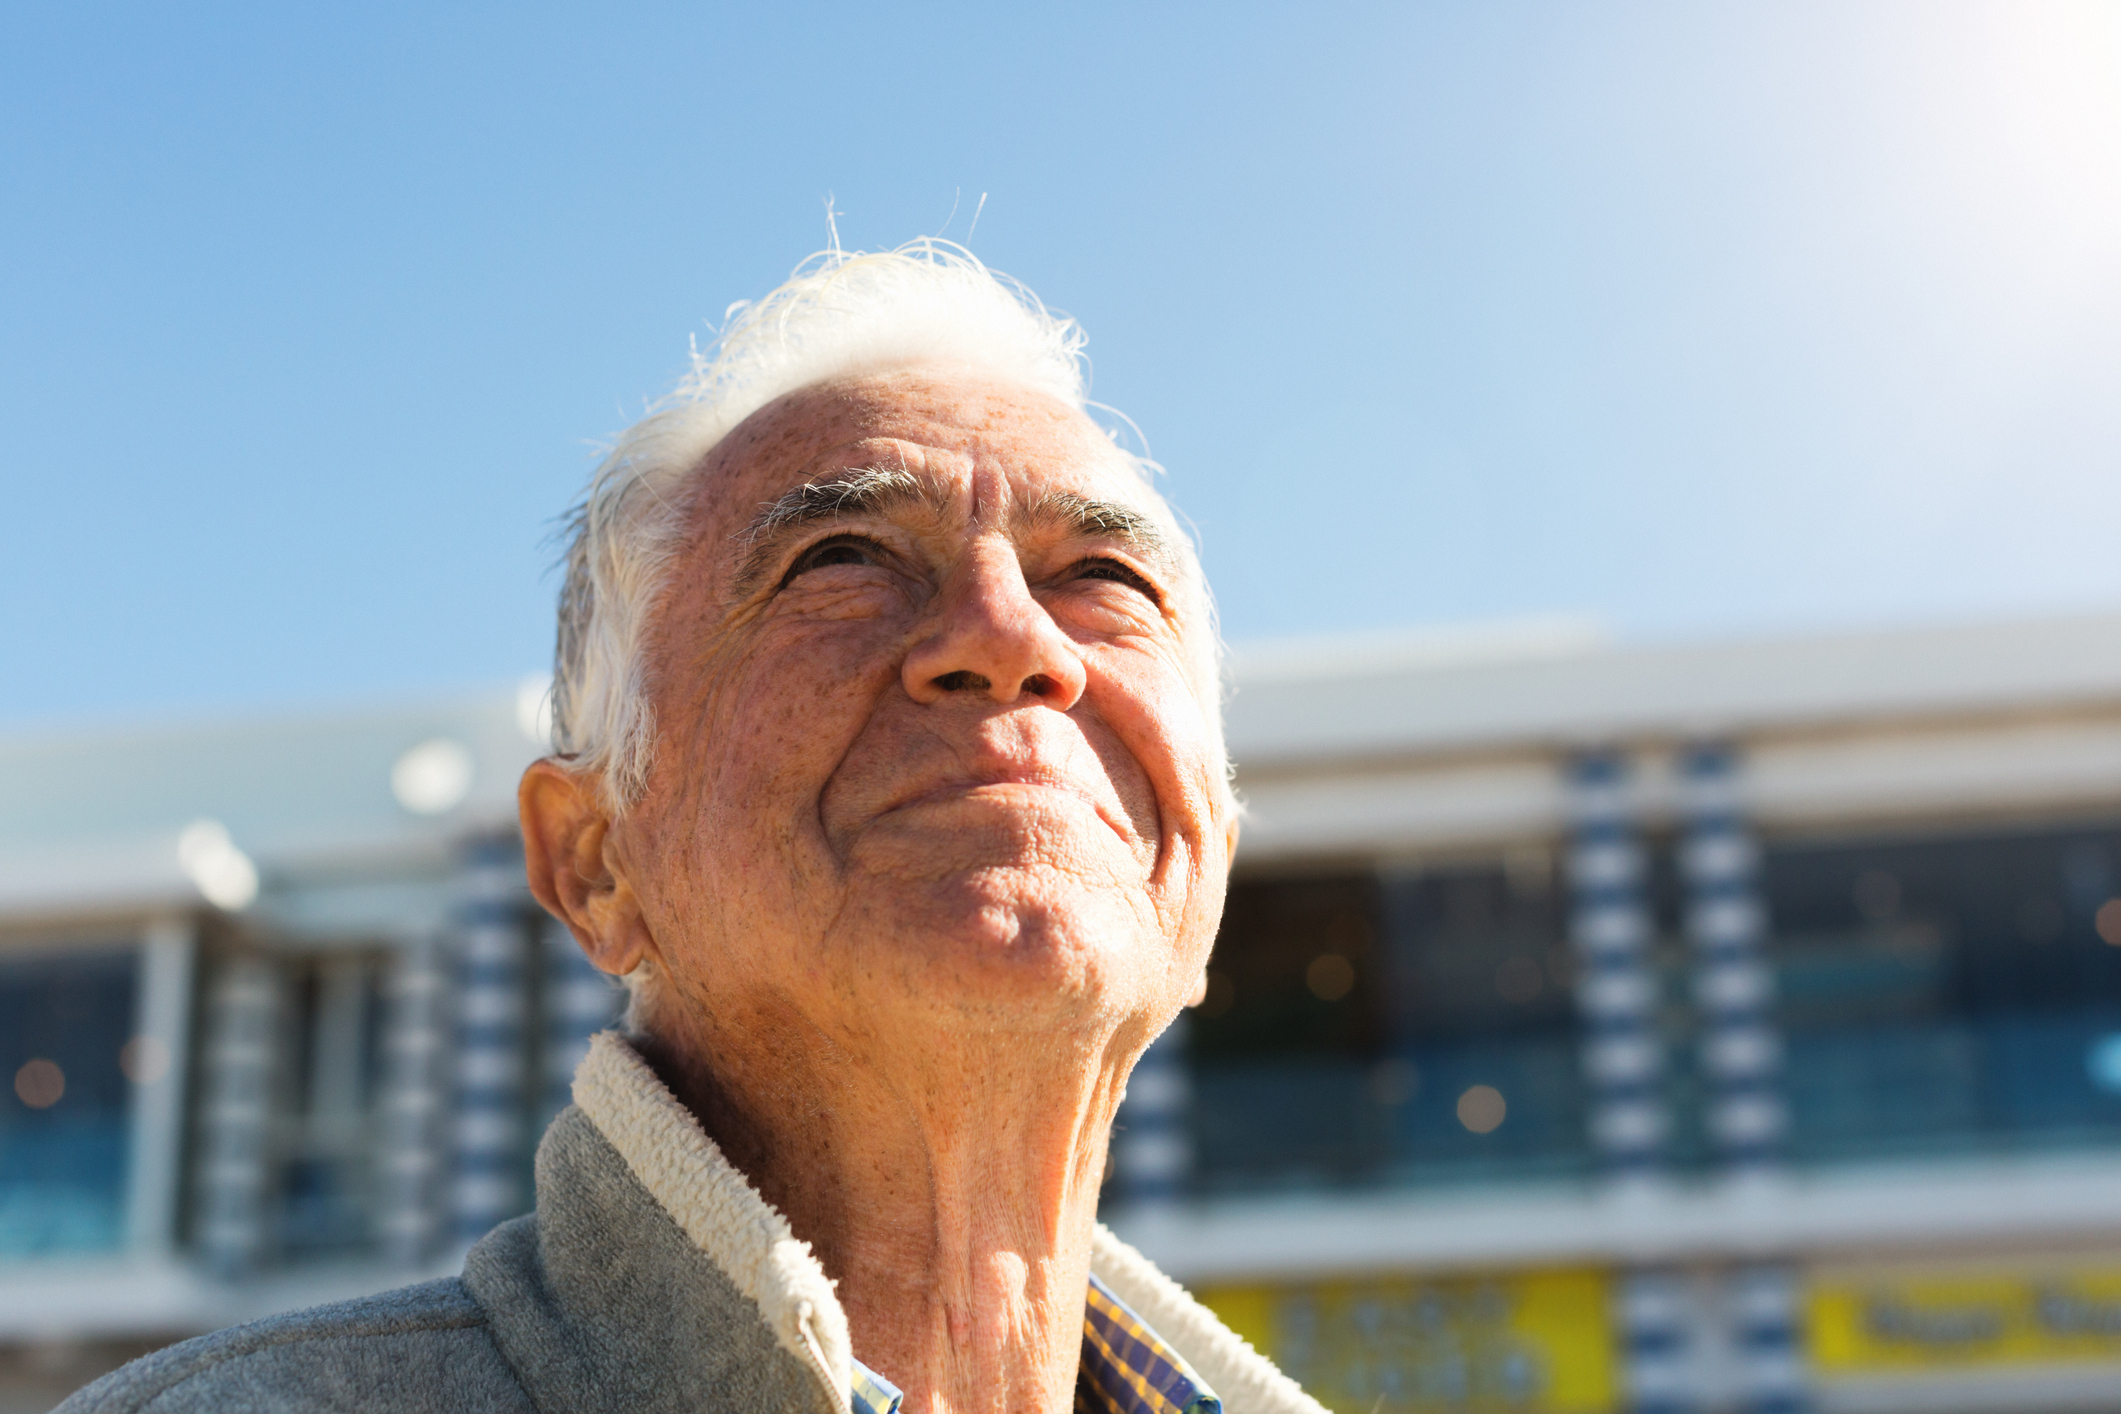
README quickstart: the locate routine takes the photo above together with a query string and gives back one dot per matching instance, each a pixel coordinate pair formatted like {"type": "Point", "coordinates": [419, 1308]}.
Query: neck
{"type": "Point", "coordinates": [949, 1188]}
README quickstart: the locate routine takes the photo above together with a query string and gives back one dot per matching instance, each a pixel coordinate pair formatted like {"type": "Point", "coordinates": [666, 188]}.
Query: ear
{"type": "Point", "coordinates": [568, 854]}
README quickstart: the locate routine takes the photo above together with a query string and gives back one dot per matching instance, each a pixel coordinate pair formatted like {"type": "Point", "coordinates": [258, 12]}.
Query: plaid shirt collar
{"type": "Point", "coordinates": [1125, 1369]}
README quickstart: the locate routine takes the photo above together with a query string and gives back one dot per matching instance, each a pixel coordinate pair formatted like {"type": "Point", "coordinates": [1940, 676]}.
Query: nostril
{"type": "Point", "coordinates": [1039, 685]}
{"type": "Point", "coordinates": [963, 680]}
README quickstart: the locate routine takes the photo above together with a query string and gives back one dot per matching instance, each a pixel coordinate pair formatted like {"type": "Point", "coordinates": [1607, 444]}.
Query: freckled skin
{"type": "Point", "coordinates": [935, 842]}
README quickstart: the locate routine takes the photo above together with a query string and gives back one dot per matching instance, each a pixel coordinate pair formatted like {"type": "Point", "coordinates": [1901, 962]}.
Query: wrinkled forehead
{"type": "Point", "coordinates": [981, 444]}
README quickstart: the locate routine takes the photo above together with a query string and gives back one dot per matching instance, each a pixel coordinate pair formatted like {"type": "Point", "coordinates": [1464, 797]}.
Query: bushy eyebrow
{"type": "Point", "coordinates": [1091, 519]}
{"type": "Point", "coordinates": [877, 490]}
{"type": "Point", "coordinates": [869, 491]}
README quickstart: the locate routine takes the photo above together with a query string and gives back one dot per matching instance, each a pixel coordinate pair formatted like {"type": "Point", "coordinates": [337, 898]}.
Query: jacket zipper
{"type": "Point", "coordinates": [841, 1399]}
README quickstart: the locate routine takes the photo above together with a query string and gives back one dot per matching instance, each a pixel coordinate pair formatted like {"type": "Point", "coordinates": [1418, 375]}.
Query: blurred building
{"type": "Point", "coordinates": [1730, 1028]}
{"type": "Point", "coordinates": [281, 1021]}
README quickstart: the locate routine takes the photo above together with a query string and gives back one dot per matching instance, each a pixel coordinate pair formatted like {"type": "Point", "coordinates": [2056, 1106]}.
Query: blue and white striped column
{"type": "Point", "coordinates": [1762, 1303]}
{"type": "Point", "coordinates": [579, 1002]}
{"type": "Point", "coordinates": [1152, 1145]}
{"type": "Point", "coordinates": [1734, 991]}
{"type": "Point", "coordinates": [492, 1041]}
{"type": "Point", "coordinates": [239, 1068]}
{"type": "Point", "coordinates": [1746, 1115]}
{"type": "Point", "coordinates": [1658, 1328]}
{"type": "Point", "coordinates": [412, 1095]}
{"type": "Point", "coordinates": [1616, 984]}
{"type": "Point", "coordinates": [1623, 1062]}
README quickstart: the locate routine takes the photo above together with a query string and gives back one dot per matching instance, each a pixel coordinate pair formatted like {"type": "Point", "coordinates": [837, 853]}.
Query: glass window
{"type": "Point", "coordinates": [1480, 1014]}
{"type": "Point", "coordinates": [1285, 1041]}
{"type": "Point", "coordinates": [1408, 1027]}
{"type": "Point", "coordinates": [65, 1019]}
{"type": "Point", "coordinates": [329, 1198]}
{"type": "Point", "coordinates": [1950, 993]}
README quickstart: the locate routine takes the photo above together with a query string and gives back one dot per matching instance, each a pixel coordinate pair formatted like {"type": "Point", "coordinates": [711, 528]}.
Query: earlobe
{"type": "Point", "coordinates": [566, 834]}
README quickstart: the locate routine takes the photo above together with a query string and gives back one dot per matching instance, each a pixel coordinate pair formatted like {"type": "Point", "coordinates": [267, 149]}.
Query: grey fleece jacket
{"type": "Point", "coordinates": [651, 1277]}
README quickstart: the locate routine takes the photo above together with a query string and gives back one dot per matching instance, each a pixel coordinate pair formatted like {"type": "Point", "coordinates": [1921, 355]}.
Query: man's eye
{"type": "Point", "coordinates": [1118, 574]}
{"type": "Point", "coordinates": [842, 550]}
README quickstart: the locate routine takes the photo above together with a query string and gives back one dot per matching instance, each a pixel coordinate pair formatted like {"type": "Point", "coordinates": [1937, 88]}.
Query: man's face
{"type": "Point", "coordinates": [933, 703]}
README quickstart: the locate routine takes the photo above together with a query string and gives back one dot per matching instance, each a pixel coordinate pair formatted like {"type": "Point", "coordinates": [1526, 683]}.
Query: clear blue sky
{"type": "Point", "coordinates": [1705, 320]}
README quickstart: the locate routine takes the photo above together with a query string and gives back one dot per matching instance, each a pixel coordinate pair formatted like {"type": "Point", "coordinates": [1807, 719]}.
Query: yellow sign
{"type": "Point", "coordinates": [1532, 1344]}
{"type": "Point", "coordinates": [1860, 1324]}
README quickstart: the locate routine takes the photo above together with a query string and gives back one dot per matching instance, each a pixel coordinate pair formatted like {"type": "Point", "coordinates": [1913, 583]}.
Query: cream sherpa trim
{"type": "Point", "coordinates": [717, 1207]}
{"type": "Point", "coordinates": [748, 1239]}
{"type": "Point", "coordinates": [1246, 1380]}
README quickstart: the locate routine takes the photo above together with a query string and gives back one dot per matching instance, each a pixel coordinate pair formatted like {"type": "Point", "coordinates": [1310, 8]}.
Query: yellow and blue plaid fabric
{"type": "Point", "coordinates": [1125, 1369]}
{"type": "Point", "coordinates": [872, 1393]}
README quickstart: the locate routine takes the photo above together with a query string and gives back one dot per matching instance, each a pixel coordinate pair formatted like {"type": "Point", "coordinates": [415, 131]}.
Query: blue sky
{"type": "Point", "coordinates": [1704, 320]}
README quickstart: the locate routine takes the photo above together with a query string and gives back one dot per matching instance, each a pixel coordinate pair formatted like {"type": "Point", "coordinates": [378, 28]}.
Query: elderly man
{"type": "Point", "coordinates": [891, 780]}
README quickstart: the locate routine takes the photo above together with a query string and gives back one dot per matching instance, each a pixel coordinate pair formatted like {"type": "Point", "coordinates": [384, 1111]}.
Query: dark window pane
{"type": "Point", "coordinates": [1404, 1029]}
{"type": "Point", "coordinates": [64, 1021]}
{"type": "Point", "coordinates": [328, 1195]}
{"type": "Point", "coordinates": [1950, 993]}
{"type": "Point", "coordinates": [1294, 971]}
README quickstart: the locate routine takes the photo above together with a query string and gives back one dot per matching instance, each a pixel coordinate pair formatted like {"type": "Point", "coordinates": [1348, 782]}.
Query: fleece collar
{"type": "Point", "coordinates": [716, 1206]}
{"type": "Point", "coordinates": [744, 1235]}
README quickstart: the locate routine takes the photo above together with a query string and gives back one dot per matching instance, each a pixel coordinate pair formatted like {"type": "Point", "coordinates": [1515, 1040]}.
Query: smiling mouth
{"type": "Point", "coordinates": [1001, 790]}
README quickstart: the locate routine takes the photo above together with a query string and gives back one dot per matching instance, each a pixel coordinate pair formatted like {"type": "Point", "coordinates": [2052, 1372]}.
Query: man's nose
{"type": "Point", "coordinates": [994, 638]}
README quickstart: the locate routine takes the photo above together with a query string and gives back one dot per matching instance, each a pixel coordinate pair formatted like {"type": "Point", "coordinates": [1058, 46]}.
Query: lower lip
{"type": "Point", "coordinates": [992, 789]}
{"type": "Point", "coordinates": [1001, 791]}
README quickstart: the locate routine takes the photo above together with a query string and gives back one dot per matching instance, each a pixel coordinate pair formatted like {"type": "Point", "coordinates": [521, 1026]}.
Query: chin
{"type": "Point", "coordinates": [1015, 947]}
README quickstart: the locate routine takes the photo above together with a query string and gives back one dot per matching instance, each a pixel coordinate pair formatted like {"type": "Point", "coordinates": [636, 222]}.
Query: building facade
{"type": "Point", "coordinates": [1713, 1028]}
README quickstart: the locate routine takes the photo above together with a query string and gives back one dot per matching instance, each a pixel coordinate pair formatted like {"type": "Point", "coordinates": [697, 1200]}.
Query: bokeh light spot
{"type": "Point", "coordinates": [1330, 977]}
{"type": "Point", "coordinates": [40, 1083]}
{"type": "Point", "coordinates": [1482, 1109]}
{"type": "Point", "coordinates": [2103, 1061]}
{"type": "Point", "coordinates": [433, 777]}
{"type": "Point", "coordinates": [144, 1060]}
{"type": "Point", "coordinates": [224, 874]}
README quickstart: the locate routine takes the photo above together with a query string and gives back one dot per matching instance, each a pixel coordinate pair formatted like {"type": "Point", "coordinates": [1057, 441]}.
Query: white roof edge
{"type": "Point", "coordinates": [1381, 706]}
{"type": "Point", "coordinates": [141, 727]}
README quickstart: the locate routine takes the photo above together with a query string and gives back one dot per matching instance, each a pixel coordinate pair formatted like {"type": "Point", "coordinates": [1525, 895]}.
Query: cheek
{"type": "Point", "coordinates": [1158, 722]}
{"type": "Point", "coordinates": [741, 763]}
{"type": "Point", "coordinates": [772, 721]}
